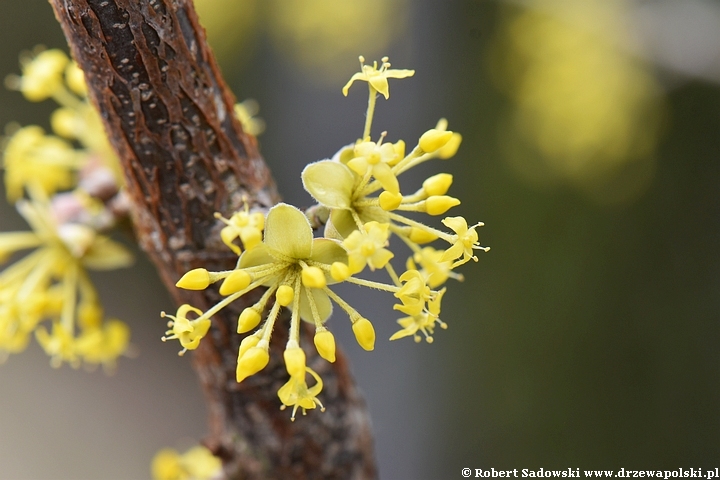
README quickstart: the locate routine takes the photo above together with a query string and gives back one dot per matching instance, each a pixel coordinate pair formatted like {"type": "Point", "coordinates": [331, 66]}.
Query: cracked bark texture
{"type": "Point", "coordinates": [169, 116]}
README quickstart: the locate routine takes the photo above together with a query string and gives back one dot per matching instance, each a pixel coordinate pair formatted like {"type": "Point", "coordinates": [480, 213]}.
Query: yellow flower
{"type": "Point", "coordinates": [245, 112]}
{"type": "Point", "coordinates": [198, 463]}
{"type": "Point", "coordinates": [103, 345]}
{"type": "Point", "coordinates": [366, 247]}
{"type": "Point", "coordinates": [51, 283]}
{"type": "Point", "coordinates": [413, 294]}
{"type": "Point", "coordinates": [463, 242]}
{"type": "Point", "coordinates": [188, 332]}
{"type": "Point", "coordinates": [242, 225]}
{"type": "Point", "coordinates": [423, 322]}
{"type": "Point", "coordinates": [377, 159]}
{"type": "Point", "coordinates": [47, 162]}
{"type": "Point", "coordinates": [295, 393]}
{"type": "Point", "coordinates": [377, 78]}
{"type": "Point", "coordinates": [434, 269]}
{"type": "Point", "coordinates": [42, 75]}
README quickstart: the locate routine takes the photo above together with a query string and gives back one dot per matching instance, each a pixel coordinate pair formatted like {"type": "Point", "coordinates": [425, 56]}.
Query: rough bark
{"type": "Point", "coordinates": [168, 113]}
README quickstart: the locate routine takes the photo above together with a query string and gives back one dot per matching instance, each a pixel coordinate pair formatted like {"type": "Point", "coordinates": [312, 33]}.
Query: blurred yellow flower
{"type": "Point", "coordinates": [198, 463]}
{"type": "Point", "coordinates": [319, 35]}
{"type": "Point", "coordinates": [582, 101]}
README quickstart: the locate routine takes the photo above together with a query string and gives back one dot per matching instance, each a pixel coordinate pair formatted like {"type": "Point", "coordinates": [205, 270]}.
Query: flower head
{"type": "Point", "coordinates": [242, 225]}
{"type": "Point", "coordinates": [188, 332]}
{"type": "Point", "coordinates": [45, 161]}
{"type": "Point", "coordinates": [422, 322]}
{"type": "Point", "coordinates": [377, 78]}
{"type": "Point", "coordinates": [413, 294]}
{"type": "Point", "coordinates": [367, 247]}
{"type": "Point", "coordinates": [43, 74]}
{"type": "Point", "coordinates": [295, 393]}
{"type": "Point", "coordinates": [51, 284]}
{"type": "Point", "coordinates": [463, 242]}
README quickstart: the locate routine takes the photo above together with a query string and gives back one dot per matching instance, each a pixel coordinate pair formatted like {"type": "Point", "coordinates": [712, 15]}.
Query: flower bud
{"type": "Point", "coordinates": [249, 319]}
{"type": "Point", "coordinates": [236, 281]}
{"type": "Point", "coordinates": [390, 201]}
{"type": "Point", "coordinates": [75, 79]}
{"type": "Point", "coordinates": [451, 147]}
{"type": "Point", "coordinates": [440, 204]}
{"type": "Point", "coordinates": [254, 360]}
{"type": "Point", "coordinates": [325, 345]}
{"type": "Point", "coordinates": [433, 140]}
{"type": "Point", "coordinates": [339, 271]}
{"type": "Point", "coordinates": [196, 279]}
{"type": "Point", "coordinates": [284, 295]}
{"type": "Point", "coordinates": [438, 184]}
{"type": "Point", "coordinates": [294, 361]}
{"type": "Point", "coordinates": [364, 333]}
{"type": "Point", "coordinates": [313, 277]}
{"type": "Point", "coordinates": [421, 236]}
{"type": "Point", "coordinates": [246, 344]}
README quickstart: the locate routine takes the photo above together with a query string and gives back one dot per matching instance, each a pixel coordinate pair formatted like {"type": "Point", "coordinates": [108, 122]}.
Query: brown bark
{"type": "Point", "coordinates": [169, 115]}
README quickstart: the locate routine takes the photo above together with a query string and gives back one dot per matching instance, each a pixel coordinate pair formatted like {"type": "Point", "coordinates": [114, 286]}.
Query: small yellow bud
{"type": "Point", "coordinates": [236, 281]}
{"type": "Point", "coordinates": [389, 200]}
{"type": "Point", "coordinates": [294, 361]}
{"type": "Point", "coordinates": [249, 319]}
{"type": "Point", "coordinates": [325, 345]}
{"type": "Point", "coordinates": [254, 360]}
{"type": "Point", "coordinates": [75, 79]}
{"type": "Point", "coordinates": [451, 147]}
{"type": "Point", "coordinates": [421, 236]}
{"type": "Point", "coordinates": [246, 344]}
{"type": "Point", "coordinates": [64, 122]}
{"type": "Point", "coordinates": [440, 204]}
{"type": "Point", "coordinates": [196, 279]}
{"type": "Point", "coordinates": [364, 333]}
{"type": "Point", "coordinates": [438, 184]}
{"type": "Point", "coordinates": [433, 140]}
{"type": "Point", "coordinates": [313, 277]}
{"type": "Point", "coordinates": [339, 271]}
{"type": "Point", "coordinates": [284, 295]}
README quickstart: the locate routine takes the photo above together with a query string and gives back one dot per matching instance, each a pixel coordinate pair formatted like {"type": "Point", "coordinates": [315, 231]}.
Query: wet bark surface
{"type": "Point", "coordinates": [169, 116]}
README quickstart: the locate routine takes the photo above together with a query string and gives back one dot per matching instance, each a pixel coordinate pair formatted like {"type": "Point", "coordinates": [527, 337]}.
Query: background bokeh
{"type": "Point", "coordinates": [589, 337]}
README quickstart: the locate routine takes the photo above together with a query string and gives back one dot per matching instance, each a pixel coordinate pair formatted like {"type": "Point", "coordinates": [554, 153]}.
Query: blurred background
{"type": "Point", "coordinates": [589, 337]}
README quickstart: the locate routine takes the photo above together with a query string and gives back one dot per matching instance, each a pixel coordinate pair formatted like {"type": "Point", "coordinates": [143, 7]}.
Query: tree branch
{"type": "Point", "coordinates": [169, 115]}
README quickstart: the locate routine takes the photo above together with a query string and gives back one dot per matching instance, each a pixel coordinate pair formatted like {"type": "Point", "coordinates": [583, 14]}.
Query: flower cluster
{"type": "Point", "coordinates": [68, 186]}
{"type": "Point", "coordinates": [359, 194]}
{"type": "Point", "coordinates": [51, 283]}
{"type": "Point", "coordinates": [58, 184]}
